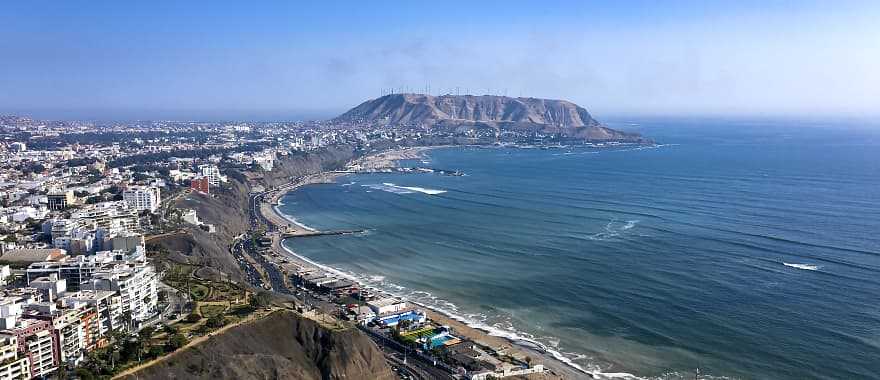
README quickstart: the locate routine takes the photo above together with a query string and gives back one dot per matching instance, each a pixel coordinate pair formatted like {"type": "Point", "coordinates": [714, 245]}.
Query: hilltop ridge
{"type": "Point", "coordinates": [279, 346]}
{"type": "Point", "coordinates": [460, 113]}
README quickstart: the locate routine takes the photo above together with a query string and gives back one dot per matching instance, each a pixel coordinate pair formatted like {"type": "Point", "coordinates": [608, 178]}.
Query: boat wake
{"type": "Point", "coordinates": [802, 266]}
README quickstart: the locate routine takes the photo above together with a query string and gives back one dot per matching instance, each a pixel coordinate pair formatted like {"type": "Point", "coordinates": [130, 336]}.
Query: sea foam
{"type": "Point", "coordinates": [613, 230]}
{"type": "Point", "coordinates": [396, 189]}
{"type": "Point", "coordinates": [416, 189]}
{"type": "Point", "coordinates": [802, 266]}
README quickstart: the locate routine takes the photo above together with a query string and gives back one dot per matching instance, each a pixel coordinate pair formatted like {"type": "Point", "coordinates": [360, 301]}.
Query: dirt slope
{"type": "Point", "coordinates": [280, 346]}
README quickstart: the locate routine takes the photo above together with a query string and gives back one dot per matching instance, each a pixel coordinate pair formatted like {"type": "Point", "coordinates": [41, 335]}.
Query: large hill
{"type": "Point", "coordinates": [280, 346]}
{"type": "Point", "coordinates": [463, 112]}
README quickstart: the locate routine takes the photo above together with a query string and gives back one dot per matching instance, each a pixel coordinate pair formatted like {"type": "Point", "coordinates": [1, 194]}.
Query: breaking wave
{"type": "Point", "coordinates": [396, 189]}
{"type": "Point", "coordinates": [293, 220]}
{"type": "Point", "coordinates": [802, 266]}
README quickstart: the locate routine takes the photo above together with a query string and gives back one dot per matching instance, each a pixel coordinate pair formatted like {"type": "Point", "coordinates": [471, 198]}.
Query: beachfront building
{"type": "Point", "coordinates": [507, 371]}
{"type": "Point", "coordinates": [142, 198]}
{"type": "Point", "coordinates": [415, 317]}
{"type": "Point", "coordinates": [361, 314]}
{"type": "Point", "coordinates": [387, 305]}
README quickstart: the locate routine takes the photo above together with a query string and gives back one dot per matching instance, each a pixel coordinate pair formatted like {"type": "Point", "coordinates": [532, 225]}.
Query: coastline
{"type": "Point", "coordinates": [559, 366]}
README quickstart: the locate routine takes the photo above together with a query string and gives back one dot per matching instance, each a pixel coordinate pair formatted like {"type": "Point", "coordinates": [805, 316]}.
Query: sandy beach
{"type": "Point", "coordinates": [287, 224]}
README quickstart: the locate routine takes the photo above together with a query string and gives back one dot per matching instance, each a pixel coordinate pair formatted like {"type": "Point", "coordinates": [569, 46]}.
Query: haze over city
{"type": "Point", "coordinates": [282, 61]}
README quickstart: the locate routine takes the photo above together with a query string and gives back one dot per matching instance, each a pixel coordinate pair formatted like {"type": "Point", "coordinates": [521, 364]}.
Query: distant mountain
{"type": "Point", "coordinates": [463, 112]}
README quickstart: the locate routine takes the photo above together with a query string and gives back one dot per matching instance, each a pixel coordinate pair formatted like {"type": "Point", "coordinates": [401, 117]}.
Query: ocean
{"type": "Point", "coordinates": [747, 249]}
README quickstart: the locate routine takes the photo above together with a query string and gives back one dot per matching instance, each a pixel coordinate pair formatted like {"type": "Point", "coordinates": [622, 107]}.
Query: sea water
{"type": "Point", "coordinates": [747, 249]}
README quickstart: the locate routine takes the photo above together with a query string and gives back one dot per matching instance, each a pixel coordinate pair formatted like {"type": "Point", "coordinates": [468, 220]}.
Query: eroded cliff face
{"type": "Point", "coordinates": [227, 208]}
{"type": "Point", "coordinates": [280, 346]}
{"type": "Point", "coordinates": [300, 164]}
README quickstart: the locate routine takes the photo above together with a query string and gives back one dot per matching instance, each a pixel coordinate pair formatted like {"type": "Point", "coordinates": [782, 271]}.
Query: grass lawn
{"type": "Point", "coordinates": [209, 311]}
{"type": "Point", "coordinates": [199, 292]}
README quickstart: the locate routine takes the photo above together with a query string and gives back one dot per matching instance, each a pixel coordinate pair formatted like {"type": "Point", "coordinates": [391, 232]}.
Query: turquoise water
{"type": "Point", "coordinates": [745, 249]}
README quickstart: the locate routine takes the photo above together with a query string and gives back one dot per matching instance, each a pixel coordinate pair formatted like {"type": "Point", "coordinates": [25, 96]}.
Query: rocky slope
{"type": "Point", "coordinates": [227, 209]}
{"type": "Point", "coordinates": [296, 165]}
{"type": "Point", "coordinates": [461, 113]}
{"type": "Point", "coordinates": [280, 346]}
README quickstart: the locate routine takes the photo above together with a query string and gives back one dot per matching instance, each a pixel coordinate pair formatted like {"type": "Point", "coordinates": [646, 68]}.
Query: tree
{"type": "Point", "coordinates": [156, 351]}
{"type": "Point", "coordinates": [216, 321]}
{"type": "Point", "coordinates": [261, 299]}
{"type": "Point", "coordinates": [146, 333]}
{"type": "Point", "coordinates": [193, 317]}
{"type": "Point", "coordinates": [170, 330]}
{"type": "Point", "coordinates": [176, 341]}
{"type": "Point", "coordinates": [84, 374]}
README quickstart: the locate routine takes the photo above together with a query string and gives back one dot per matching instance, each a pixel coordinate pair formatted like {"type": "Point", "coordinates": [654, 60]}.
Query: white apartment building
{"type": "Point", "coordinates": [142, 198]}
{"type": "Point", "coordinates": [108, 215]}
{"type": "Point", "coordinates": [5, 275]}
{"type": "Point", "coordinates": [78, 270]}
{"type": "Point", "coordinates": [71, 335]}
{"type": "Point", "coordinates": [137, 286]}
{"type": "Point", "coordinates": [212, 173]}
{"type": "Point", "coordinates": [107, 309]}
{"type": "Point", "coordinates": [41, 353]}
{"type": "Point", "coordinates": [12, 366]}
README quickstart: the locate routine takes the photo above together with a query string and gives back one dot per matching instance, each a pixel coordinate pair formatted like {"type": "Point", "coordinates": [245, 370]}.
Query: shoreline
{"type": "Point", "coordinates": [507, 342]}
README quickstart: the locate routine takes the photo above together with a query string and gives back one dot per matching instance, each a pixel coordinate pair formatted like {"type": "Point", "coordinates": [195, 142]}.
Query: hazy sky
{"type": "Point", "coordinates": [276, 60]}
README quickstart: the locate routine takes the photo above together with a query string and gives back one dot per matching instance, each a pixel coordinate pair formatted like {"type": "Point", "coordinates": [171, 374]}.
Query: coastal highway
{"type": "Point", "coordinates": [252, 276]}
{"type": "Point", "coordinates": [407, 367]}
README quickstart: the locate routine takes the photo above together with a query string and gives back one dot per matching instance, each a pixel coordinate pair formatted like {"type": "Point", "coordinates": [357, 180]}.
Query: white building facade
{"type": "Point", "coordinates": [142, 198]}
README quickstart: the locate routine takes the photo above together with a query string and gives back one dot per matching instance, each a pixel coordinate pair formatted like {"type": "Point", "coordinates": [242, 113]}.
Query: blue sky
{"type": "Point", "coordinates": [282, 60]}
